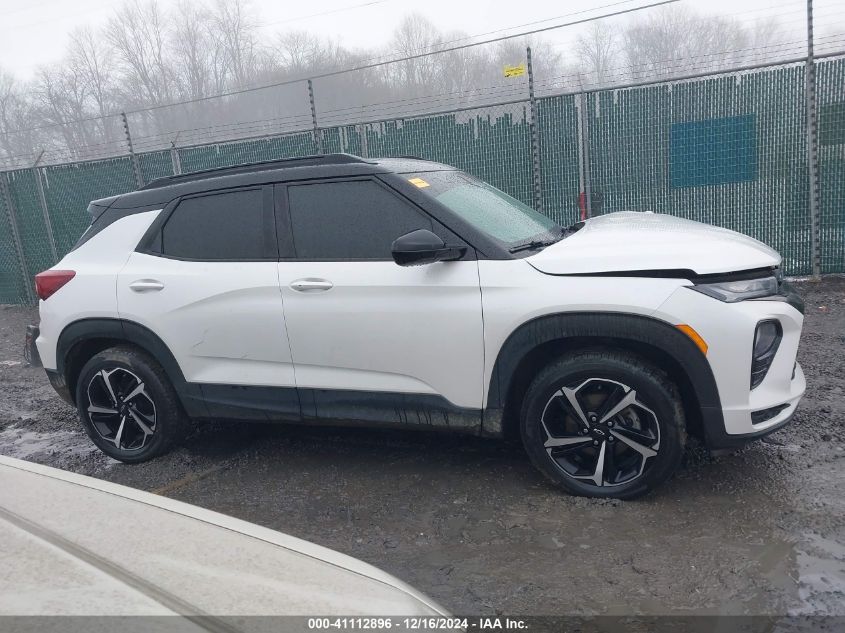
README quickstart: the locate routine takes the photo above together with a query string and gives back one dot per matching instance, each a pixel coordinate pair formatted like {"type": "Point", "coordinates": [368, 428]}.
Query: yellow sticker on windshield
{"type": "Point", "coordinates": [419, 182]}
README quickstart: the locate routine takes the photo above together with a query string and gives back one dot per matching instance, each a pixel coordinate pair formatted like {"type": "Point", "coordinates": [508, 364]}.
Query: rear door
{"type": "Point", "coordinates": [372, 340]}
{"type": "Point", "coordinates": [206, 282]}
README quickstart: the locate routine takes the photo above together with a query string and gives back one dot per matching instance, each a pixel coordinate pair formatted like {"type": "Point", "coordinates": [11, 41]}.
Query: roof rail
{"type": "Point", "coordinates": [266, 165]}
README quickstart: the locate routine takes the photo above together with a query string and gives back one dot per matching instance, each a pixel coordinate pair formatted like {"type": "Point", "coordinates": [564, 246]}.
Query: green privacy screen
{"type": "Point", "coordinates": [12, 275]}
{"type": "Point", "coordinates": [729, 150]}
{"type": "Point", "coordinates": [557, 122]}
{"type": "Point", "coordinates": [686, 149]}
{"type": "Point", "coordinates": [830, 81]}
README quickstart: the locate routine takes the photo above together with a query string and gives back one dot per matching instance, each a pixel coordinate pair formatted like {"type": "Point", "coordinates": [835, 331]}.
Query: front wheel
{"type": "Point", "coordinates": [128, 406]}
{"type": "Point", "coordinates": [603, 424]}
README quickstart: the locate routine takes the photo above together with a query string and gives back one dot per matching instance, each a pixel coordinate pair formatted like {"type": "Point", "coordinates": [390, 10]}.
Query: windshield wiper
{"type": "Point", "coordinates": [532, 244]}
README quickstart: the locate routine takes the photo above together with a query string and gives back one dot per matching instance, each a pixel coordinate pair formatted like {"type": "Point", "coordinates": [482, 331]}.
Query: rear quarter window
{"type": "Point", "coordinates": [223, 226]}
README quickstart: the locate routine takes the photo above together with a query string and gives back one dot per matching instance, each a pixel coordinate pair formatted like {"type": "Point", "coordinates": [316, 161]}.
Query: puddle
{"type": "Point", "coordinates": [821, 576]}
{"type": "Point", "coordinates": [8, 411]}
{"type": "Point", "coordinates": [811, 570]}
{"type": "Point", "coordinates": [777, 564]}
{"type": "Point", "coordinates": [24, 444]}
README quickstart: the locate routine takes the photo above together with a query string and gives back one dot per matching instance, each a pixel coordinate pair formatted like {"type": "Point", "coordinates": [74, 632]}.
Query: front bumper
{"type": "Point", "coordinates": [717, 437]}
{"type": "Point", "coordinates": [728, 329]}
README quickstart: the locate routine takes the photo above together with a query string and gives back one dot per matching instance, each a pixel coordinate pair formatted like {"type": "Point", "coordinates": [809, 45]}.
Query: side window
{"type": "Point", "coordinates": [349, 220]}
{"type": "Point", "coordinates": [222, 226]}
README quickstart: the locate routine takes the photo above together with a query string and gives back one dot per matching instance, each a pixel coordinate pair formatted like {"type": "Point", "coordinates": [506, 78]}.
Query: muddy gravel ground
{"type": "Point", "coordinates": [471, 523]}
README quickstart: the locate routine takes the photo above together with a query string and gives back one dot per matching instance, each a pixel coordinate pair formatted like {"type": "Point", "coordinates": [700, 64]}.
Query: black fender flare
{"type": "Point", "coordinates": [585, 328]}
{"type": "Point", "coordinates": [126, 331]}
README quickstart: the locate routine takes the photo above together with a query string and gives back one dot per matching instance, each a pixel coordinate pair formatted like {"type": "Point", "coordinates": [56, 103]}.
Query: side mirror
{"type": "Point", "coordinates": [423, 247]}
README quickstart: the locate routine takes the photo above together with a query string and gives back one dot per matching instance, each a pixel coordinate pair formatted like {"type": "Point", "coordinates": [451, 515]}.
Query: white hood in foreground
{"type": "Point", "coordinates": [74, 545]}
{"type": "Point", "coordinates": [629, 241]}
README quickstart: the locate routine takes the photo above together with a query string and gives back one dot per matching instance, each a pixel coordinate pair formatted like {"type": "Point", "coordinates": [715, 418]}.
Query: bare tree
{"type": "Point", "coordinates": [61, 96]}
{"type": "Point", "coordinates": [674, 41]}
{"type": "Point", "coordinates": [659, 44]}
{"type": "Point", "coordinates": [295, 51]}
{"type": "Point", "coordinates": [193, 50]}
{"type": "Point", "coordinates": [598, 52]}
{"type": "Point", "coordinates": [719, 43]}
{"type": "Point", "coordinates": [90, 59]}
{"type": "Point", "coordinates": [416, 34]}
{"type": "Point", "coordinates": [469, 73]}
{"type": "Point", "coordinates": [16, 113]}
{"type": "Point", "coordinates": [299, 53]}
{"type": "Point", "coordinates": [767, 40]}
{"type": "Point", "coordinates": [235, 32]}
{"type": "Point", "coordinates": [137, 31]}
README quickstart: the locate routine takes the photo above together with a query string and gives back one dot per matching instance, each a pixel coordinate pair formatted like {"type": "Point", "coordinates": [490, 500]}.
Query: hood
{"type": "Point", "coordinates": [632, 241]}
{"type": "Point", "coordinates": [91, 547]}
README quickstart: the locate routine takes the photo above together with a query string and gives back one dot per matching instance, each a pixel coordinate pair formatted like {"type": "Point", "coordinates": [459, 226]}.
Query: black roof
{"type": "Point", "coordinates": [250, 168]}
{"type": "Point", "coordinates": [162, 190]}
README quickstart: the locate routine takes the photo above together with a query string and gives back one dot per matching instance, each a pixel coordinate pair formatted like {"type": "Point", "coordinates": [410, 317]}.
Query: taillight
{"type": "Point", "coordinates": [48, 282]}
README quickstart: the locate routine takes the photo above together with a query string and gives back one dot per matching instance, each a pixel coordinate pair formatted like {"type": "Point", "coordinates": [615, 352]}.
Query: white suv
{"type": "Point", "coordinates": [333, 289]}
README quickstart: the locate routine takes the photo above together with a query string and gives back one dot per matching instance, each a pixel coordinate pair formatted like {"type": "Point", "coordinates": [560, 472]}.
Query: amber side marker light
{"type": "Point", "coordinates": [694, 336]}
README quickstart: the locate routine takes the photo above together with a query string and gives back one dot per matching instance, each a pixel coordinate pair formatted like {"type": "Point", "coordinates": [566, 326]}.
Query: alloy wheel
{"type": "Point", "coordinates": [600, 432]}
{"type": "Point", "coordinates": [121, 410]}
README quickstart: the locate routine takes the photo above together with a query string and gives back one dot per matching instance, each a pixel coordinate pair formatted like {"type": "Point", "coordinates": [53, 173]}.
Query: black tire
{"type": "Point", "coordinates": [123, 434]}
{"type": "Point", "coordinates": [653, 422]}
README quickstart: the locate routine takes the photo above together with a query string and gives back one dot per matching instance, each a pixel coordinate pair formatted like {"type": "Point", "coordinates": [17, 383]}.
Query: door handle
{"type": "Point", "coordinates": [311, 285]}
{"type": "Point", "coordinates": [146, 285]}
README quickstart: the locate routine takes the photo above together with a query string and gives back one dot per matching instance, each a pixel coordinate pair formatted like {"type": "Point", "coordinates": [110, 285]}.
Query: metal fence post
{"type": "Point", "coordinates": [812, 147]}
{"type": "Point", "coordinates": [45, 210]}
{"type": "Point", "coordinates": [362, 135]}
{"type": "Point", "coordinates": [16, 236]}
{"type": "Point", "coordinates": [175, 159]}
{"type": "Point", "coordinates": [318, 135]}
{"type": "Point", "coordinates": [534, 130]}
{"type": "Point", "coordinates": [584, 156]}
{"type": "Point", "coordinates": [136, 167]}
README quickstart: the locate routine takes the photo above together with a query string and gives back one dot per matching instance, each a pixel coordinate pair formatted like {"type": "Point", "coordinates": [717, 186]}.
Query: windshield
{"type": "Point", "coordinates": [488, 209]}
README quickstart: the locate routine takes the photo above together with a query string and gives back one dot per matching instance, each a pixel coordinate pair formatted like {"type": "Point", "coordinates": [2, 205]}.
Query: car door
{"type": "Point", "coordinates": [372, 340]}
{"type": "Point", "coordinates": [205, 281]}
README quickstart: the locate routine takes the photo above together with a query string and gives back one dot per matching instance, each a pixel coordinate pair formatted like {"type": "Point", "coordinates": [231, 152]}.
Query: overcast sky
{"type": "Point", "coordinates": [34, 32]}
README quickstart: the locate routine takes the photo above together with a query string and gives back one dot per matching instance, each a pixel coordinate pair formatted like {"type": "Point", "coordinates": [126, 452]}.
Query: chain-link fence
{"type": "Point", "coordinates": [729, 149]}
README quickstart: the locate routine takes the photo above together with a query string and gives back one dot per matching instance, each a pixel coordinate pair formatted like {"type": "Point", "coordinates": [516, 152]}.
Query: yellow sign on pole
{"type": "Point", "coordinates": [515, 71]}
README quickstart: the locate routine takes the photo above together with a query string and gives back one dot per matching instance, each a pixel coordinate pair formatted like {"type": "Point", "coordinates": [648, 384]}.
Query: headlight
{"type": "Point", "coordinates": [739, 290]}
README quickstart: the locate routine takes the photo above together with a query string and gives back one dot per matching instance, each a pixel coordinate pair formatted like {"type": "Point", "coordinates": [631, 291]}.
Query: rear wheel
{"type": "Point", "coordinates": [603, 424]}
{"type": "Point", "coordinates": [128, 406]}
